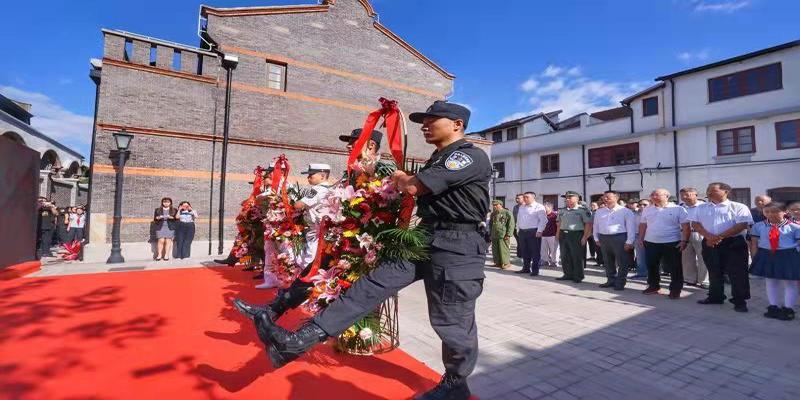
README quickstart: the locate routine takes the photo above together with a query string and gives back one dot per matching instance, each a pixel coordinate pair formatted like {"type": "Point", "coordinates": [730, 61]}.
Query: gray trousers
{"type": "Point", "coordinates": [694, 268]}
{"type": "Point", "coordinates": [453, 279]}
{"type": "Point", "coordinates": [617, 260]}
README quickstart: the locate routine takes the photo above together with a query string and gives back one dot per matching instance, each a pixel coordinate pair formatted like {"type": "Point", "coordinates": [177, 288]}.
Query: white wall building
{"type": "Point", "coordinates": [735, 121]}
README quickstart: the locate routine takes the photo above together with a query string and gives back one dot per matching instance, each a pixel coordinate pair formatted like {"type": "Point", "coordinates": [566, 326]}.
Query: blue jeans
{"type": "Point", "coordinates": [641, 261]}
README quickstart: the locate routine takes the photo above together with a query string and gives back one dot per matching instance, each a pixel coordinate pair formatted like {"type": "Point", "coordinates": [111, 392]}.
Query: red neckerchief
{"type": "Point", "coordinates": [775, 234]}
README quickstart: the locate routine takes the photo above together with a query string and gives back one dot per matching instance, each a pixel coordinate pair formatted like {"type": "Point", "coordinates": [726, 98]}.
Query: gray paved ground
{"type": "Point", "coordinates": [542, 338]}
{"type": "Point", "coordinates": [547, 339]}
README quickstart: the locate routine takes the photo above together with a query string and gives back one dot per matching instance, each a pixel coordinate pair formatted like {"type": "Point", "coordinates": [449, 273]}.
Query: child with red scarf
{"type": "Point", "coordinates": [774, 245]}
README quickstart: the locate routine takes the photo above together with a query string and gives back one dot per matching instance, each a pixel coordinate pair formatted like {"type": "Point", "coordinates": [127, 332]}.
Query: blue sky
{"type": "Point", "coordinates": [510, 57]}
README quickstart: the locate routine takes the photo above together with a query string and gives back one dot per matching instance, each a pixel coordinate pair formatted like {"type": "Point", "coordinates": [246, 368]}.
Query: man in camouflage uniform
{"type": "Point", "coordinates": [574, 226]}
{"type": "Point", "coordinates": [502, 227]}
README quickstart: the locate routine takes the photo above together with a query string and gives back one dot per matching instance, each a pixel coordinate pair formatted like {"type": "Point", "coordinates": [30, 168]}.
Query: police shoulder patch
{"type": "Point", "coordinates": [311, 193]}
{"type": "Point", "coordinates": [457, 160]}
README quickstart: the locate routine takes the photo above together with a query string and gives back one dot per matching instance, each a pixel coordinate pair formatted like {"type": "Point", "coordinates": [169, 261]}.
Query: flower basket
{"type": "Point", "coordinates": [378, 332]}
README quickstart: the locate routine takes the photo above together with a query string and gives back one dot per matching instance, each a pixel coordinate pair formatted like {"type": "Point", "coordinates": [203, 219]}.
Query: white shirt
{"type": "Point", "coordinates": [718, 218]}
{"type": "Point", "coordinates": [532, 216]}
{"type": "Point", "coordinates": [691, 210]}
{"type": "Point", "coordinates": [613, 221]}
{"type": "Point", "coordinates": [312, 199]}
{"type": "Point", "coordinates": [663, 223]}
{"type": "Point", "coordinates": [77, 221]}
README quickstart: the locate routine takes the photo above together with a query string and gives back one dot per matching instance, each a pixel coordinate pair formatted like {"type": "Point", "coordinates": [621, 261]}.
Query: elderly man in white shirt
{"type": "Point", "coordinates": [723, 225]}
{"type": "Point", "coordinates": [694, 268]}
{"type": "Point", "coordinates": [615, 233]}
{"type": "Point", "coordinates": [662, 230]}
{"type": "Point", "coordinates": [531, 221]}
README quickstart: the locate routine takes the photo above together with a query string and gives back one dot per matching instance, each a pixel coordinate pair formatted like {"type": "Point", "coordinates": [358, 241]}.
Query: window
{"type": "Point", "coordinates": [550, 163]}
{"type": "Point", "coordinates": [628, 196]}
{"type": "Point", "coordinates": [176, 60]}
{"type": "Point", "coordinates": [736, 141]}
{"type": "Point", "coordinates": [276, 76]}
{"type": "Point", "coordinates": [623, 154]}
{"type": "Point", "coordinates": [500, 167]}
{"type": "Point", "coordinates": [127, 54]}
{"type": "Point", "coordinates": [552, 199]}
{"type": "Point", "coordinates": [511, 134]}
{"type": "Point", "coordinates": [742, 83]}
{"type": "Point", "coordinates": [788, 134]}
{"type": "Point", "coordinates": [153, 55]}
{"type": "Point", "coordinates": [650, 106]}
{"type": "Point", "coordinates": [497, 136]}
{"type": "Point", "coordinates": [740, 195]}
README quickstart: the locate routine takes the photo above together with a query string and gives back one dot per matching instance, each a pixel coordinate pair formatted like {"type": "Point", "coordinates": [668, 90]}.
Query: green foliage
{"type": "Point", "coordinates": [407, 244]}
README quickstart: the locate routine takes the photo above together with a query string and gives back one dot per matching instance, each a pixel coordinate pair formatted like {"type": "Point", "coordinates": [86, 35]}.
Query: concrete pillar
{"type": "Point", "coordinates": [164, 56]}
{"type": "Point", "coordinates": [188, 62]}
{"type": "Point", "coordinates": [141, 52]}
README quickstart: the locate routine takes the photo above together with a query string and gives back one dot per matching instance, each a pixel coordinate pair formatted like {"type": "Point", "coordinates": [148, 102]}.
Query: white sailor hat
{"type": "Point", "coordinates": [314, 168]}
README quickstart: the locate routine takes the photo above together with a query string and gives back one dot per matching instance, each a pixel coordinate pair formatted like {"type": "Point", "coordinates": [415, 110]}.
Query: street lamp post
{"type": "Point", "coordinates": [495, 175]}
{"type": "Point", "coordinates": [609, 180]}
{"type": "Point", "coordinates": [229, 62]}
{"type": "Point", "coordinates": [123, 141]}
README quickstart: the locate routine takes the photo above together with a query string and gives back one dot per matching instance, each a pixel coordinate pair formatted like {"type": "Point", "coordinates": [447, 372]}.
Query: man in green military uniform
{"type": "Point", "coordinates": [574, 226]}
{"type": "Point", "coordinates": [502, 227]}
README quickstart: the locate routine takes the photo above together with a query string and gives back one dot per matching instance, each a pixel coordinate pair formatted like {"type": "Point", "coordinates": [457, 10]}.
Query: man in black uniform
{"type": "Point", "coordinates": [452, 192]}
{"type": "Point", "coordinates": [47, 214]}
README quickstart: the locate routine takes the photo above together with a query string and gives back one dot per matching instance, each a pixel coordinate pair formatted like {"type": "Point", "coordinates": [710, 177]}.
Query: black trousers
{"type": "Point", "coordinates": [595, 251]}
{"type": "Point", "coordinates": [670, 255]}
{"type": "Point", "coordinates": [529, 248]}
{"type": "Point", "coordinates": [729, 256]}
{"type": "Point", "coordinates": [45, 241]}
{"type": "Point", "coordinates": [453, 278]}
{"type": "Point", "coordinates": [75, 234]}
{"type": "Point", "coordinates": [184, 235]}
{"type": "Point", "coordinates": [617, 260]}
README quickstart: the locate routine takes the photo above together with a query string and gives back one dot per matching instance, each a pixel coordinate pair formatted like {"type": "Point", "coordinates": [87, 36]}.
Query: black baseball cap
{"type": "Point", "coordinates": [377, 136]}
{"type": "Point", "coordinates": [441, 108]}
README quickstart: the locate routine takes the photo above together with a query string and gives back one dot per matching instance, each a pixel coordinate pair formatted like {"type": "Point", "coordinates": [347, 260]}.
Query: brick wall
{"type": "Point", "coordinates": [340, 64]}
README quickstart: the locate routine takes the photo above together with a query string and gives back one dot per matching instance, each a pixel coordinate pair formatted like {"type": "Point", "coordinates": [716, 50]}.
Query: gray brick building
{"type": "Point", "coordinates": [306, 74]}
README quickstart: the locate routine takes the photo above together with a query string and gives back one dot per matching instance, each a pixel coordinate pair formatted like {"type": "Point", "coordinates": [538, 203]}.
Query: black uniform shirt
{"type": "Point", "coordinates": [46, 219]}
{"type": "Point", "coordinates": [458, 178]}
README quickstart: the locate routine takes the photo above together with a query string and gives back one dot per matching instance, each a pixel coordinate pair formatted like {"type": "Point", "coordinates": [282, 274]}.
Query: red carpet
{"type": "Point", "coordinates": [19, 270]}
{"type": "Point", "coordinates": [169, 335]}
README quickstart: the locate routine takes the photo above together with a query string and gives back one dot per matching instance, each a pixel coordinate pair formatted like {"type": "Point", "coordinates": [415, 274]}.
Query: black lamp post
{"type": "Point", "coordinates": [229, 62]}
{"type": "Point", "coordinates": [609, 180]}
{"type": "Point", "coordinates": [123, 141]}
{"type": "Point", "coordinates": [495, 175]}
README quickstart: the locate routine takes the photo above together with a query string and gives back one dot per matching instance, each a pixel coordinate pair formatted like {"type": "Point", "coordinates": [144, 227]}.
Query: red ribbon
{"type": "Point", "coordinates": [774, 236]}
{"type": "Point", "coordinates": [391, 119]}
{"type": "Point", "coordinates": [280, 178]}
{"type": "Point", "coordinates": [323, 228]}
{"type": "Point", "coordinates": [258, 181]}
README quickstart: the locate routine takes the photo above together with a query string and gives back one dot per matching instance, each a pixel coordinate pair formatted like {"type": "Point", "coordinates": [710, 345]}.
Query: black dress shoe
{"type": "Point", "coordinates": [740, 308]}
{"type": "Point", "coordinates": [607, 284]}
{"type": "Point", "coordinates": [773, 312]}
{"type": "Point", "coordinates": [250, 310]}
{"type": "Point", "coordinates": [523, 271]}
{"type": "Point", "coordinates": [563, 278]}
{"type": "Point", "coordinates": [451, 387]}
{"type": "Point", "coordinates": [710, 301]}
{"type": "Point", "coordinates": [227, 261]}
{"type": "Point", "coordinates": [786, 314]}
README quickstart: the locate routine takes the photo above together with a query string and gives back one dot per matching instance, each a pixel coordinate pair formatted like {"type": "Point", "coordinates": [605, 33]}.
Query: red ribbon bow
{"type": "Point", "coordinates": [391, 119]}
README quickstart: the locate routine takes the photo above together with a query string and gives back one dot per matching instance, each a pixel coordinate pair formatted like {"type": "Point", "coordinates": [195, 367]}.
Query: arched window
{"type": "Point", "coordinates": [49, 161]}
{"type": "Point", "coordinates": [14, 137]}
{"type": "Point", "coordinates": [73, 170]}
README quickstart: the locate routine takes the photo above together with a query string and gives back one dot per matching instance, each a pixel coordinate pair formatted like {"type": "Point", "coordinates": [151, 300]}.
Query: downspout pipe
{"type": "Point", "coordinates": [674, 137]}
{"type": "Point", "coordinates": [583, 169]}
{"type": "Point", "coordinates": [95, 74]}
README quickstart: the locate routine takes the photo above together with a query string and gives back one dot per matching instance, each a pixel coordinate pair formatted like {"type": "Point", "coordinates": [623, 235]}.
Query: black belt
{"type": "Point", "coordinates": [450, 226]}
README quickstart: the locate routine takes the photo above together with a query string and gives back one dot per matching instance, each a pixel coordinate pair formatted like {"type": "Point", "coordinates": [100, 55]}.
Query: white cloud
{"type": "Point", "coordinates": [552, 71]}
{"type": "Point", "coordinates": [52, 119]}
{"type": "Point", "coordinates": [529, 85]}
{"type": "Point", "coordinates": [688, 56]}
{"type": "Point", "coordinates": [726, 6]}
{"type": "Point", "coordinates": [573, 92]}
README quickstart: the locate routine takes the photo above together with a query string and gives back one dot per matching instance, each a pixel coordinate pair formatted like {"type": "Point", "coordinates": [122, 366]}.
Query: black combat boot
{"type": "Point", "coordinates": [274, 310]}
{"type": "Point", "coordinates": [451, 387]}
{"type": "Point", "coordinates": [284, 346]}
{"type": "Point", "coordinates": [786, 314]}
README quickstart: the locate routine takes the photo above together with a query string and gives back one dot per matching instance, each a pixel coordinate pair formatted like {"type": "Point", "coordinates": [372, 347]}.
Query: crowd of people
{"type": "Point", "coordinates": [58, 226]}
{"type": "Point", "coordinates": [695, 242]}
